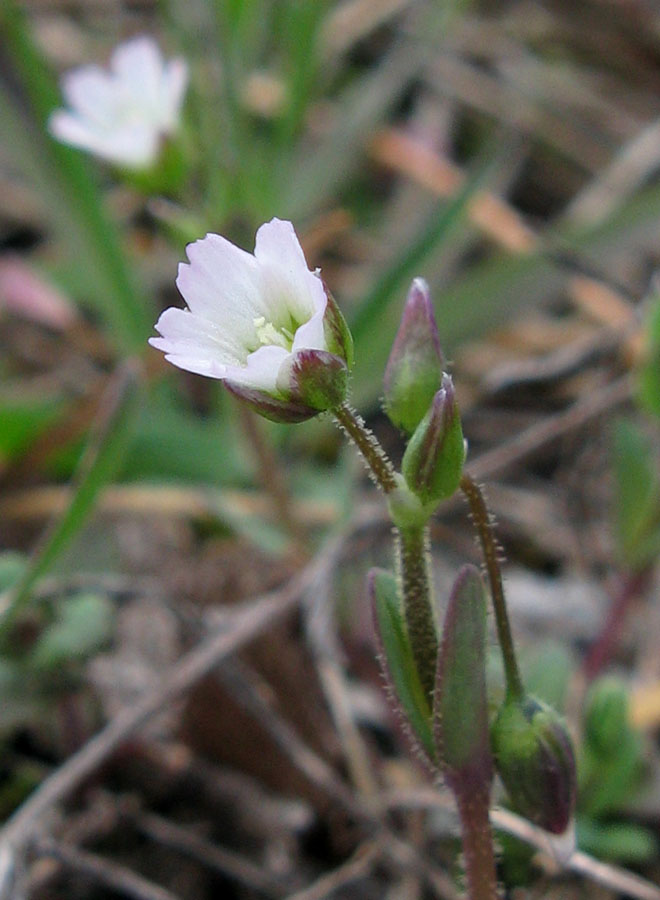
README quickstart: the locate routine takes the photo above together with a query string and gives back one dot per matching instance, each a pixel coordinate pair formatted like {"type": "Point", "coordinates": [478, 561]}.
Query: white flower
{"type": "Point", "coordinates": [262, 323]}
{"type": "Point", "coordinates": [121, 114]}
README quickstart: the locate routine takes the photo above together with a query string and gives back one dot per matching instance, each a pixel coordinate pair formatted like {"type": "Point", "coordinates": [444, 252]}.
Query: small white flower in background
{"type": "Point", "coordinates": [121, 113]}
{"type": "Point", "coordinates": [263, 323]}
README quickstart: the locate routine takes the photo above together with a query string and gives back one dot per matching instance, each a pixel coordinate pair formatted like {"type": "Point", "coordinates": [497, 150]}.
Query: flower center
{"type": "Point", "coordinates": [269, 335]}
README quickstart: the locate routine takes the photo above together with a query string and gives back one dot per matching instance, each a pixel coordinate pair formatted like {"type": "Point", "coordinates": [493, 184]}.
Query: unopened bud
{"type": "Point", "coordinates": [414, 370]}
{"type": "Point", "coordinates": [534, 758]}
{"type": "Point", "coordinates": [433, 461]}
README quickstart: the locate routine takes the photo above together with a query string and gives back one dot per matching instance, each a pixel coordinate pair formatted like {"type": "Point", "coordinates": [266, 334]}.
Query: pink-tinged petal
{"type": "Point", "coordinates": [221, 284]}
{"type": "Point", "coordinates": [276, 241]}
{"type": "Point", "coordinates": [286, 278]}
{"type": "Point", "coordinates": [185, 334]}
{"type": "Point", "coordinates": [25, 293]}
{"type": "Point", "coordinates": [196, 365]}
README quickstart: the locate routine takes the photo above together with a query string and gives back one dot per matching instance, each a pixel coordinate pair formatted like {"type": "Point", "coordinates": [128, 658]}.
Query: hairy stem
{"type": "Point", "coordinates": [473, 809]}
{"type": "Point", "coordinates": [414, 570]}
{"type": "Point", "coordinates": [483, 524]}
{"type": "Point", "coordinates": [379, 465]}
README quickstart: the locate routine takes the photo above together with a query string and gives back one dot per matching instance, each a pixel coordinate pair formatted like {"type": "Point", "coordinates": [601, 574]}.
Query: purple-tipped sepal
{"type": "Point", "coordinates": [433, 462]}
{"type": "Point", "coordinates": [414, 370]}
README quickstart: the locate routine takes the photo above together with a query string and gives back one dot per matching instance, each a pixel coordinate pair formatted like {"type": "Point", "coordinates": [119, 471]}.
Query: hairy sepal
{"type": "Point", "coordinates": [396, 657]}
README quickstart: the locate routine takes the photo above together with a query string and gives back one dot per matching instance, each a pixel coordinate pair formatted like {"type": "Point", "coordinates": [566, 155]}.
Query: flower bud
{"type": "Point", "coordinates": [534, 758]}
{"type": "Point", "coordinates": [433, 461]}
{"type": "Point", "coordinates": [414, 370]}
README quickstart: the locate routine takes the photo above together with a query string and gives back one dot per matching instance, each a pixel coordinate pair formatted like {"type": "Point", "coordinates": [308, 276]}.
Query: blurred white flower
{"type": "Point", "coordinates": [262, 323]}
{"type": "Point", "coordinates": [121, 114]}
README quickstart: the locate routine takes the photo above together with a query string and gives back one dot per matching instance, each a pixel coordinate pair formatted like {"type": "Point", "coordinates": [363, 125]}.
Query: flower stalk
{"type": "Point", "coordinates": [373, 454]}
{"type": "Point", "coordinates": [477, 838]}
{"type": "Point", "coordinates": [484, 526]}
{"type": "Point", "coordinates": [413, 558]}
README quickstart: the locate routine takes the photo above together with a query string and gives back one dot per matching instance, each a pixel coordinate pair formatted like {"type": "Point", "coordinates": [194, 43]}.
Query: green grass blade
{"type": "Point", "coordinates": [376, 320]}
{"type": "Point", "coordinates": [97, 467]}
{"type": "Point", "coordinates": [62, 177]}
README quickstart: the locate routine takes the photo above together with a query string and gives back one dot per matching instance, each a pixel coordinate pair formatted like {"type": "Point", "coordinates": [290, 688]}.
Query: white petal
{"type": "Point", "coordinates": [172, 90]}
{"type": "Point", "coordinates": [285, 276]}
{"type": "Point", "coordinates": [221, 284]}
{"type": "Point", "coordinates": [135, 146]}
{"type": "Point", "coordinates": [184, 333]}
{"type": "Point", "coordinates": [138, 66]}
{"type": "Point", "coordinates": [196, 345]}
{"type": "Point", "coordinates": [310, 335]}
{"type": "Point", "coordinates": [92, 94]}
{"type": "Point", "coordinates": [121, 114]}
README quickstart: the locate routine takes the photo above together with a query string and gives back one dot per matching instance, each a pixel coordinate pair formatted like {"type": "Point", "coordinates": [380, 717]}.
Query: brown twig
{"type": "Point", "coordinates": [551, 428]}
{"type": "Point", "coordinates": [231, 864]}
{"type": "Point", "coordinates": [321, 631]}
{"type": "Point", "coordinates": [244, 685]}
{"type": "Point", "coordinates": [247, 623]}
{"type": "Point", "coordinates": [355, 868]}
{"type": "Point", "coordinates": [612, 877]}
{"type": "Point", "coordinates": [108, 873]}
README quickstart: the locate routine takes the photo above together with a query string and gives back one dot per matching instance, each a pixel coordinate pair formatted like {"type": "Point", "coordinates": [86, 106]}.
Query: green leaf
{"type": "Point", "coordinates": [12, 567]}
{"type": "Point", "coordinates": [83, 625]}
{"type": "Point", "coordinates": [460, 706]}
{"type": "Point", "coordinates": [24, 417]}
{"type": "Point", "coordinates": [637, 495]}
{"type": "Point", "coordinates": [171, 442]}
{"type": "Point", "coordinates": [649, 370]}
{"type": "Point", "coordinates": [397, 659]}
{"type": "Point", "coordinates": [618, 841]}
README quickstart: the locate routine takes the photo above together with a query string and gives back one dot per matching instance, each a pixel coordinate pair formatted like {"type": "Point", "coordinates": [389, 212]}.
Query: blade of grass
{"type": "Point", "coordinates": [316, 176]}
{"type": "Point", "coordinates": [100, 462]}
{"type": "Point", "coordinates": [374, 324]}
{"type": "Point", "coordinates": [70, 195]}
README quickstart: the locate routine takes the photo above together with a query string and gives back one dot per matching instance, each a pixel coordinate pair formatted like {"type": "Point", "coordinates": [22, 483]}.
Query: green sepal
{"type": "Point", "coordinates": [338, 337]}
{"type": "Point", "coordinates": [460, 704]}
{"type": "Point", "coordinates": [433, 462]}
{"type": "Point", "coordinates": [396, 657]}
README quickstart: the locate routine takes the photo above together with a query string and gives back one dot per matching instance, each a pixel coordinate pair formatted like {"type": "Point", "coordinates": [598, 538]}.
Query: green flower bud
{"type": "Point", "coordinates": [534, 758]}
{"type": "Point", "coordinates": [414, 370]}
{"type": "Point", "coordinates": [433, 461]}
